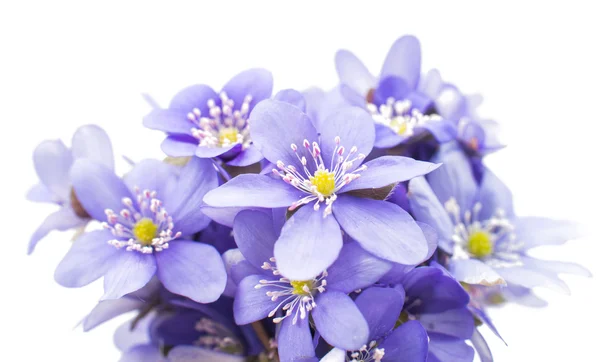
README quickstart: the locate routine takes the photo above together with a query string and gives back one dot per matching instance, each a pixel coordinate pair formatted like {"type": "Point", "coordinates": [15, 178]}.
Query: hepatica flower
{"type": "Point", "coordinates": [264, 291]}
{"type": "Point", "coordinates": [207, 124]}
{"type": "Point", "coordinates": [318, 175]}
{"type": "Point", "coordinates": [398, 107]}
{"type": "Point", "coordinates": [477, 226]}
{"type": "Point", "coordinates": [53, 162]}
{"type": "Point", "coordinates": [148, 218]}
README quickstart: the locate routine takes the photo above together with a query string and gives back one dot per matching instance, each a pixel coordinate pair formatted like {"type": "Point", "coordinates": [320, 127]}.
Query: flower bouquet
{"type": "Point", "coordinates": [356, 224]}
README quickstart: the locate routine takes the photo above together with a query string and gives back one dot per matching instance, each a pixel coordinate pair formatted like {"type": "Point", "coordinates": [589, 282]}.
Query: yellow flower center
{"type": "Point", "coordinates": [145, 230]}
{"type": "Point", "coordinates": [400, 125]}
{"type": "Point", "coordinates": [480, 244]}
{"type": "Point", "coordinates": [324, 181]}
{"type": "Point", "coordinates": [299, 285]}
{"type": "Point", "coordinates": [228, 136]}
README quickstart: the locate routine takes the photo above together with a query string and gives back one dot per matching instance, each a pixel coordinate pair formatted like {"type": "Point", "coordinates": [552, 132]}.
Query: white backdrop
{"type": "Point", "coordinates": [67, 64]}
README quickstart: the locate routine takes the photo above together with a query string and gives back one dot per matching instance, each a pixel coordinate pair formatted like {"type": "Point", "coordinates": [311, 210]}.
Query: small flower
{"type": "Point", "coordinates": [263, 291]}
{"type": "Point", "coordinates": [53, 162]}
{"type": "Point", "coordinates": [478, 228]}
{"type": "Point", "coordinates": [206, 124]}
{"type": "Point", "coordinates": [394, 99]}
{"type": "Point", "coordinates": [317, 166]}
{"type": "Point", "coordinates": [148, 219]}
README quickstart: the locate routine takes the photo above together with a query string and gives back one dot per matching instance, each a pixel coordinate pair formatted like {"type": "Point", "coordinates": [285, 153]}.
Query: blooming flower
{"type": "Point", "coordinates": [382, 308]}
{"type": "Point", "coordinates": [266, 292]}
{"type": "Point", "coordinates": [148, 218]}
{"type": "Point", "coordinates": [399, 108]}
{"type": "Point", "coordinates": [206, 124]}
{"type": "Point", "coordinates": [53, 162]}
{"type": "Point", "coordinates": [478, 228]}
{"type": "Point", "coordinates": [320, 166]}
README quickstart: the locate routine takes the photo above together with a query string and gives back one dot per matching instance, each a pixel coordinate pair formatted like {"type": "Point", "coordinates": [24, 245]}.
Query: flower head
{"type": "Point", "coordinates": [206, 124]}
{"type": "Point", "coordinates": [142, 239]}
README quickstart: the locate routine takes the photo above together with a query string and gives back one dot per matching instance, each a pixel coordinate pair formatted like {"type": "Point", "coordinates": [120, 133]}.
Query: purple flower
{"type": "Point", "coordinates": [148, 218]}
{"type": "Point", "coordinates": [318, 166]}
{"type": "Point", "coordinates": [264, 291]}
{"type": "Point", "coordinates": [439, 303]}
{"type": "Point", "coordinates": [400, 110]}
{"type": "Point", "coordinates": [53, 162]}
{"type": "Point", "coordinates": [206, 124]}
{"type": "Point", "coordinates": [477, 227]}
{"type": "Point", "coordinates": [382, 309]}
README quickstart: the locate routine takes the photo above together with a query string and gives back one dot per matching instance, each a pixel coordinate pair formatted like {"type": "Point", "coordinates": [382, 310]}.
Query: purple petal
{"type": "Point", "coordinates": [255, 236]}
{"type": "Point", "coordinates": [195, 96]}
{"type": "Point", "coordinates": [242, 269]}
{"type": "Point", "coordinates": [177, 145]}
{"type": "Point", "coordinates": [449, 349]}
{"type": "Point", "coordinates": [61, 220]}
{"type": "Point", "coordinates": [52, 161]}
{"type": "Point", "coordinates": [150, 175]}
{"type": "Point", "coordinates": [386, 170]}
{"type": "Point", "coordinates": [98, 188]}
{"type": "Point", "coordinates": [127, 336]}
{"type": "Point", "coordinates": [391, 87]}
{"type": "Point", "coordinates": [481, 346]}
{"type": "Point", "coordinates": [537, 231]}
{"type": "Point", "coordinates": [192, 353]}
{"type": "Point", "coordinates": [292, 97]}
{"type": "Point", "coordinates": [276, 126]}
{"type": "Point", "coordinates": [404, 60]}
{"type": "Point", "coordinates": [210, 152]}
{"type": "Point", "coordinates": [339, 321]}
{"type": "Point", "coordinates": [251, 304]}
{"type": "Point", "coordinates": [353, 72]}
{"type": "Point", "coordinates": [426, 208]}
{"type": "Point", "coordinates": [494, 195]}
{"type": "Point", "coordinates": [194, 270]}
{"type": "Point", "coordinates": [355, 269]}
{"type": "Point", "coordinates": [381, 228]}
{"type": "Point", "coordinates": [309, 244]}
{"type": "Point", "coordinates": [555, 267]}
{"type": "Point", "coordinates": [381, 308]}
{"type": "Point", "coordinates": [457, 323]}
{"type": "Point", "coordinates": [250, 190]}
{"type": "Point", "coordinates": [222, 215]}
{"type": "Point", "coordinates": [231, 258]}
{"type": "Point", "coordinates": [196, 179]}
{"type": "Point", "coordinates": [532, 278]}
{"type": "Point", "coordinates": [40, 193]}
{"type": "Point", "coordinates": [295, 341]}
{"type": "Point", "coordinates": [408, 343]}
{"type": "Point", "coordinates": [92, 142]}
{"type": "Point", "coordinates": [256, 82]}
{"type": "Point", "coordinates": [385, 137]}
{"type": "Point", "coordinates": [450, 103]}
{"type": "Point", "coordinates": [472, 271]}
{"type": "Point", "coordinates": [443, 130]}
{"type": "Point", "coordinates": [437, 291]}
{"type": "Point", "coordinates": [247, 157]}
{"type": "Point", "coordinates": [354, 127]}
{"type": "Point", "coordinates": [455, 178]}
{"type": "Point", "coordinates": [143, 353]}
{"type": "Point", "coordinates": [128, 272]}
{"type": "Point", "coordinates": [335, 355]}
{"type": "Point", "coordinates": [109, 309]}
{"type": "Point", "coordinates": [431, 84]}
{"type": "Point", "coordinates": [352, 97]}
{"type": "Point", "coordinates": [88, 259]}
{"type": "Point", "coordinates": [173, 121]}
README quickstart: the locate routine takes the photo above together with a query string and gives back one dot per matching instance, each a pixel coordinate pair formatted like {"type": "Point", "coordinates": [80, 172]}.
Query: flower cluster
{"type": "Point", "coordinates": [359, 224]}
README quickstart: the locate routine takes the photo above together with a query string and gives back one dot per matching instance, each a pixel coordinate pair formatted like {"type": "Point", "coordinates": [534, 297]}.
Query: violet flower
{"type": "Point", "coordinates": [209, 125]}
{"type": "Point", "coordinates": [478, 228]}
{"type": "Point", "coordinates": [318, 175]}
{"type": "Point", "coordinates": [400, 110]}
{"type": "Point", "coordinates": [148, 218]}
{"type": "Point", "coordinates": [264, 291]}
{"type": "Point", "coordinates": [53, 162]}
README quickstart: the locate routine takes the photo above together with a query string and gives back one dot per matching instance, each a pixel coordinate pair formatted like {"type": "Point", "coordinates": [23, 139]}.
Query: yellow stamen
{"type": "Point", "coordinates": [324, 182]}
{"type": "Point", "coordinates": [480, 244]}
{"type": "Point", "coordinates": [299, 285]}
{"type": "Point", "coordinates": [400, 125]}
{"type": "Point", "coordinates": [228, 136]}
{"type": "Point", "coordinates": [145, 230]}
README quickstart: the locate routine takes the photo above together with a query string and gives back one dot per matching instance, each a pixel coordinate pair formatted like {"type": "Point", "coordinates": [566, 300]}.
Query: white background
{"type": "Point", "coordinates": [63, 65]}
